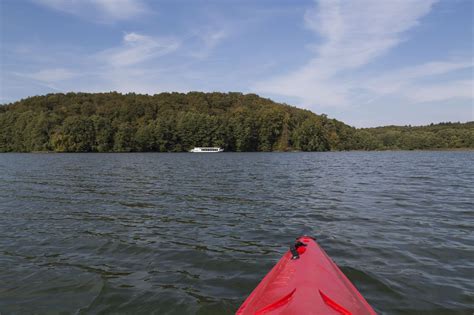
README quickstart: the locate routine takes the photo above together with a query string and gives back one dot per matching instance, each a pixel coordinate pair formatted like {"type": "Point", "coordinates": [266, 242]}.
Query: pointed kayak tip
{"type": "Point", "coordinates": [305, 281]}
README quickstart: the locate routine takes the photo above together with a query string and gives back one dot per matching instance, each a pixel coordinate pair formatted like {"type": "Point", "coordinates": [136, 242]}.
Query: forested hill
{"type": "Point", "coordinates": [176, 122]}
{"type": "Point", "coordinates": [112, 122]}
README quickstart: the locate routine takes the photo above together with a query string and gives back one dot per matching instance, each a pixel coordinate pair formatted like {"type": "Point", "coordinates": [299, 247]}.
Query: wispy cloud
{"type": "Point", "coordinates": [137, 48]}
{"type": "Point", "coordinates": [416, 83]}
{"type": "Point", "coordinates": [354, 34]}
{"type": "Point", "coordinates": [453, 90]}
{"type": "Point", "coordinates": [51, 75]}
{"type": "Point", "coordinates": [45, 78]}
{"type": "Point", "coordinates": [105, 10]}
{"type": "Point", "coordinates": [133, 65]}
{"type": "Point", "coordinates": [209, 39]}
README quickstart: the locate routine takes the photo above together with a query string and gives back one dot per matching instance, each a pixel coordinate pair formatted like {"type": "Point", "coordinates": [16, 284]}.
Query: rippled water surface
{"type": "Point", "coordinates": [195, 233]}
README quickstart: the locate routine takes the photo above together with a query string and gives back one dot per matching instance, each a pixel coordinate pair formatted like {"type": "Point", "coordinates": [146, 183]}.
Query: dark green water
{"type": "Point", "coordinates": [195, 233]}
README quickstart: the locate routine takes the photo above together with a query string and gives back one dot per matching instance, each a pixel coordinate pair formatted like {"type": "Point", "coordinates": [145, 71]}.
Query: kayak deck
{"type": "Point", "coordinates": [305, 281]}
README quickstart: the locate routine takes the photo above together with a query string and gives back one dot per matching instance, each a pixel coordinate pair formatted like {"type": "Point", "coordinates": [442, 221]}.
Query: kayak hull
{"type": "Point", "coordinates": [305, 281]}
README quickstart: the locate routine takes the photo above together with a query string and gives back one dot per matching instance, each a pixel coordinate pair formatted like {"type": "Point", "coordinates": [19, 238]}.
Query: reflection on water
{"type": "Point", "coordinates": [194, 234]}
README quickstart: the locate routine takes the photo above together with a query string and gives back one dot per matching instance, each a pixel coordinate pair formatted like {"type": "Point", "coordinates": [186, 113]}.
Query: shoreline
{"type": "Point", "coordinates": [293, 151]}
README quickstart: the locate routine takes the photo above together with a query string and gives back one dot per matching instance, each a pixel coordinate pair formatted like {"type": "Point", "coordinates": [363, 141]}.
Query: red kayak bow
{"type": "Point", "coordinates": [305, 281]}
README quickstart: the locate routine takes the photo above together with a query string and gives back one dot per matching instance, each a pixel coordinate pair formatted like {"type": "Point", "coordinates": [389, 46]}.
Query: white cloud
{"type": "Point", "coordinates": [121, 9]}
{"type": "Point", "coordinates": [134, 65]}
{"type": "Point", "coordinates": [107, 10]}
{"type": "Point", "coordinates": [354, 34]}
{"type": "Point", "coordinates": [209, 40]}
{"type": "Point", "coordinates": [413, 83]}
{"type": "Point", "coordinates": [137, 48]}
{"type": "Point", "coordinates": [51, 75]}
{"type": "Point", "coordinates": [459, 89]}
{"type": "Point", "coordinates": [48, 78]}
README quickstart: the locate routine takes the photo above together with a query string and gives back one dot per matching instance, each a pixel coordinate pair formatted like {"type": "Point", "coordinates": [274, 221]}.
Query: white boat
{"type": "Point", "coordinates": [207, 150]}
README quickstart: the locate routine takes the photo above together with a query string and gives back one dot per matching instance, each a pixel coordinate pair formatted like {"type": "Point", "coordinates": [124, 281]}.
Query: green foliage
{"type": "Point", "coordinates": [104, 134]}
{"type": "Point", "coordinates": [311, 136]}
{"type": "Point", "coordinates": [440, 136]}
{"type": "Point", "coordinates": [76, 134]}
{"type": "Point", "coordinates": [175, 122]}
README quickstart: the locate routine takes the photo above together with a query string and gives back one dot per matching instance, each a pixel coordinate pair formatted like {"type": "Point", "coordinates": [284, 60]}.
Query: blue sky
{"type": "Point", "coordinates": [365, 62]}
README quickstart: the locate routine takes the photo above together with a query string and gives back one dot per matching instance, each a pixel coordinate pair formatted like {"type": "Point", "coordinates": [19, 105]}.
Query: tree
{"type": "Point", "coordinates": [175, 122]}
{"type": "Point", "coordinates": [104, 134]}
{"type": "Point", "coordinates": [77, 134]}
{"type": "Point", "coordinates": [310, 136]}
{"type": "Point", "coordinates": [123, 138]}
{"type": "Point", "coordinates": [145, 138]}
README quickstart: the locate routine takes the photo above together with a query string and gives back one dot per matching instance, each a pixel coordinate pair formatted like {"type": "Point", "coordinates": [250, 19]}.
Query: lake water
{"type": "Point", "coordinates": [195, 233]}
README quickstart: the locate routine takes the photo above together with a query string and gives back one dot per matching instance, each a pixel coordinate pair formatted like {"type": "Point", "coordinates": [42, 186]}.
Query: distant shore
{"type": "Point", "coordinates": [176, 122]}
{"type": "Point", "coordinates": [415, 150]}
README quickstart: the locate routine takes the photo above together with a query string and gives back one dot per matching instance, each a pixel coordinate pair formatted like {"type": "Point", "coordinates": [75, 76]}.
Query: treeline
{"type": "Point", "coordinates": [176, 122]}
{"type": "Point", "coordinates": [440, 136]}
